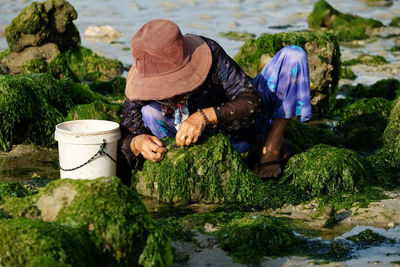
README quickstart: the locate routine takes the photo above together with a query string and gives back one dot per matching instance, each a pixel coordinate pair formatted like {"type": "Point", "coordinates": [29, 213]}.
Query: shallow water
{"type": "Point", "coordinates": [211, 17]}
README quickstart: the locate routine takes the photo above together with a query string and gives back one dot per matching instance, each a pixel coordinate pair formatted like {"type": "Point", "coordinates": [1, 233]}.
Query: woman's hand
{"type": "Point", "coordinates": [149, 146]}
{"type": "Point", "coordinates": [190, 130]}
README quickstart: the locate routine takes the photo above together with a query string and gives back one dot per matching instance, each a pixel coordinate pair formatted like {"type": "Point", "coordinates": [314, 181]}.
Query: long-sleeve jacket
{"type": "Point", "coordinates": [227, 89]}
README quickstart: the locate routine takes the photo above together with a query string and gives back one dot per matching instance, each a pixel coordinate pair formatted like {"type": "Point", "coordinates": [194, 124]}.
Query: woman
{"type": "Point", "coordinates": [184, 85]}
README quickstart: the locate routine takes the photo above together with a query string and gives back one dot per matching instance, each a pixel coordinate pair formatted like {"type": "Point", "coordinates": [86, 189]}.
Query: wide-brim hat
{"type": "Point", "coordinates": [167, 63]}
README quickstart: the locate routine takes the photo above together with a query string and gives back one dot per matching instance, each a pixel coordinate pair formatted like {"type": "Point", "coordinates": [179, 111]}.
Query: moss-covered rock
{"type": "Point", "coordinates": [386, 88]}
{"type": "Point", "coordinates": [13, 189]}
{"type": "Point", "coordinates": [110, 213]}
{"type": "Point", "coordinates": [87, 65]}
{"type": "Point", "coordinates": [80, 93]}
{"type": "Point", "coordinates": [323, 58]}
{"type": "Point", "coordinates": [210, 171]}
{"type": "Point", "coordinates": [366, 112]}
{"type": "Point", "coordinates": [367, 237]}
{"type": "Point", "coordinates": [24, 241]}
{"type": "Point", "coordinates": [347, 73]}
{"type": "Point", "coordinates": [346, 26]}
{"type": "Point", "coordinates": [95, 111]}
{"type": "Point", "coordinates": [303, 136]}
{"type": "Point", "coordinates": [391, 136]}
{"type": "Point", "coordinates": [43, 39]}
{"type": "Point", "coordinates": [40, 23]}
{"type": "Point", "coordinates": [395, 22]}
{"type": "Point", "coordinates": [366, 59]}
{"type": "Point", "coordinates": [250, 238]}
{"type": "Point", "coordinates": [325, 170]}
{"type": "Point", "coordinates": [114, 88]}
{"type": "Point", "coordinates": [238, 36]}
{"type": "Point", "coordinates": [30, 107]}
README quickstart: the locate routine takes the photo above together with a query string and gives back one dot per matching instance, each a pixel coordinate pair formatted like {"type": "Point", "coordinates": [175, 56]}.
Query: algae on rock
{"type": "Point", "coordinates": [23, 241]}
{"type": "Point", "coordinates": [210, 171]}
{"type": "Point", "coordinates": [30, 107]}
{"type": "Point", "coordinates": [391, 136]}
{"type": "Point", "coordinates": [323, 58]}
{"type": "Point", "coordinates": [95, 111]}
{"type": "Point", "coordinates": [111, 214]}
{"type": "Point", "coordinates": [346, 26]}
{"type": "Point", "coordinates": [325, 170]}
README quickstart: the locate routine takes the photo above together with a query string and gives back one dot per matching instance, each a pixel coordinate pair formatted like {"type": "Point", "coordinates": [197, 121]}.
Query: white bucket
{"type": "Point", "coordinates": [80, 140]}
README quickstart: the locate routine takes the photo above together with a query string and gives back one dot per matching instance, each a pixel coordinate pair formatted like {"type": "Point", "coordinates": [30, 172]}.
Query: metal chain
{"type": "Point", "coordinates": [98, 153]}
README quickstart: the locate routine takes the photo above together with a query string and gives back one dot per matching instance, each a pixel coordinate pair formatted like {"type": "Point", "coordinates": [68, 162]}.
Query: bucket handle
{"type": "Point", "coordinates": [98, 153]}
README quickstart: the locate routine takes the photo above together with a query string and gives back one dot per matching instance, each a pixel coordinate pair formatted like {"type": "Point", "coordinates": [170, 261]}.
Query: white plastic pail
{"type": "Point", "coordinates": [80, 140]}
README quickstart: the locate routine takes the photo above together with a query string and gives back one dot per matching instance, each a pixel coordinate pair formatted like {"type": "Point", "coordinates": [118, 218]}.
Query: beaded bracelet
{"type": "Point", "coordinates": [204, 116]}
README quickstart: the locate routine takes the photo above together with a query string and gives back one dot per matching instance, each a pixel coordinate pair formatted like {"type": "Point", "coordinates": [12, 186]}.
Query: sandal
{"type": "Point", "coordinates": [285, 153]}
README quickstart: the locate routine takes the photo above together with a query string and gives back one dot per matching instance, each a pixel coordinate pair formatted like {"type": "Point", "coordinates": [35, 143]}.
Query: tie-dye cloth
{"type": "Point", "coordinates": [284, 87]}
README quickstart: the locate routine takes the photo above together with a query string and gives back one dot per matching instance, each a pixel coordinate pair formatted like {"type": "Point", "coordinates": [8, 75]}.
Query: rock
{"type": "Point", "coordinates": [395, 22]}
{"type": "Point", "coordinates": [380, 3]}
{"type": "Point", "coordinates": [325, 170]}
{"type": "Point", "coordinates": [346, 26]}
{"type": "Point", "coordinates": [43, 39]}
{"type": "Point", "coordinates": [323, 58]}
{"type": "Point", "coordinates": [31, 106]}
{"type": "Point", "coordinates": [40, 23]}
{"type": "Point", "coordinates": [105, 33]}
{"type": "Point", "coordinates": [391, 137]}
{"type": "Point", "coordinates": [27, 242]}
{"type": "Point", "coordinates": [210, 171]}
{"type": "Point", "coordinates": [110, 214]}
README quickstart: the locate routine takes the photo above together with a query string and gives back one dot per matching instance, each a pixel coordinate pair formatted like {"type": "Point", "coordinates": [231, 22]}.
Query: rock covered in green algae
{"type": "Point", "coordinates": [43, 39]}
{"type": "Point", "coordinates": [40, 23]}
{"type": "Point", "coordinates": [210, 171]}
{"type": "Point", "coordinates": [323, 57]}
{"type": "Point", "coordinates": [250, 238]}
{"type": "Point", "coordinates": [368, 237]}
{"type": "Point", "coordinates": [366, 112]}
{"type": "Point", "coordinates": [302, 136]}
{"type": "Point", "coordinates": [391, 137]}
{"type": "Point", "coordinates": [30, 107]}
{"type": "Point", "coordinates": [24, 242]}
{"type": "Point", "coordinates": [95, 111]}
{"type": "Point", "coordinates": [13, 189]}
{"type": "Point", "coordinates": [112, 215]}
{"type": "Point", "coordinates": [238, 36]}
{"type": "Point", "coordinates": [386, 88]}
{"type": "Point", "coordinates": [32, 104]}
{"type": "Point", "coordinates": [347, 73]}
{"type": "Point", "coordinates": [325, 170]}
{"type": "Point", "coordinates": [346, 26]}
{"type": "Point", "coordinates": [365, 59]}
{"type": "Point", "coordinates": [395, 22]}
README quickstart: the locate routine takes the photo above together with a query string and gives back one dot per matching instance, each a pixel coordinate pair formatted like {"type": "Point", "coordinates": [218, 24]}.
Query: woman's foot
{"type": "Point", "coordinates": [269, 165]}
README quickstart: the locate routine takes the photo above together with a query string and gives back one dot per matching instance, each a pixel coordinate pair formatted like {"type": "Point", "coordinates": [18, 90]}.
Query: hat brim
{"type": "Point", "coordinates": [185, 80]}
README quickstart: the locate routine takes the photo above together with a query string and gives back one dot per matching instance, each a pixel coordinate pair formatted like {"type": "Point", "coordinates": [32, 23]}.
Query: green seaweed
{"type": "Point", "coordinates": [13, 189]}
{"type": "Point", "coordinates": [347, 73]}
{"type": "Point", "coordinates": [366, 112]}
{"type": "Point", "coordinates": [394, 48]}
{"type": "Point", "coordinates": [346, 26]}
{"type": "Point", "coordinates": [36, 65]}
{"type": "Point", "coordinates": [210, 171]}
{"type": "Point", "coordinates": [395, 22]}
{"type": "Point", "coordinates": [325, 170]}
{"type": "Point", "coordinates": [237, 36]}
{"type": "Point", "coordinates": [391, 137]}
{"type": "Point", "coordinates": [80, 93]}
{"type": "Point", "coordinates": [368, 237]}
{"type": "Point", "coordinates": [366, 59]}
{"type": "Point", "coordinates": [303, 136]}
{"type": "Point", "coordinates": [23, 240]}
{"type": "Point", "coordinates": [114, 88]}
{"type": "Point", "coordinates": [250, 238]}
{"type": "Point", "coordinates": [386, 88]}
{"type": "Point", "coordinates": [30, 106]}
{"type": "Point", "coordinates": [87, 65]}
{"type": "Point", "coordinates": [111, 213]}
{"type": "Point", "coordinates": [95, 111]}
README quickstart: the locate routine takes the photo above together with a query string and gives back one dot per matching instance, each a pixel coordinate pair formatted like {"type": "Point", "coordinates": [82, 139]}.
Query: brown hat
{"type": "Point", "coordinates": [166, 62]}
